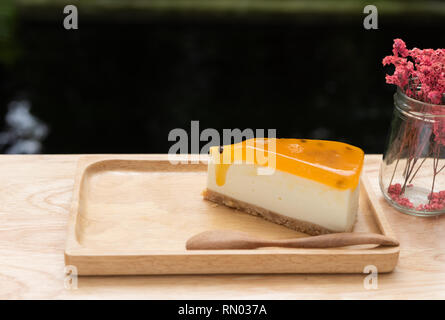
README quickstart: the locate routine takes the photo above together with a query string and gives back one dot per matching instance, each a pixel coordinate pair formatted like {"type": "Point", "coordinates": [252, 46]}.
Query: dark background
{"type": "Point", "coordinates": [123, 80]}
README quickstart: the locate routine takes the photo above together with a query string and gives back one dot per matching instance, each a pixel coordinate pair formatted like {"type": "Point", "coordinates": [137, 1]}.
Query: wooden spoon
{"type": "Point", "coordinates": [227, 239]}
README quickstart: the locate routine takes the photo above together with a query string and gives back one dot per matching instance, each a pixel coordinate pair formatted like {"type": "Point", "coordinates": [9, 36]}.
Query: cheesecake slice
{"type": "Point", "coordinates": [311, 186]}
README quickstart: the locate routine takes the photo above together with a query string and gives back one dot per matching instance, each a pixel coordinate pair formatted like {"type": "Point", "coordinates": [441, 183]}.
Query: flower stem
{"type": "Point", "coordinates": [417, 170]}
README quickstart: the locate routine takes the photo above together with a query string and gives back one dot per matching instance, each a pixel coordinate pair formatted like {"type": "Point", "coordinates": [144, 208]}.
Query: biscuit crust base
{"type": "Point", "coordinates": [291, 223]}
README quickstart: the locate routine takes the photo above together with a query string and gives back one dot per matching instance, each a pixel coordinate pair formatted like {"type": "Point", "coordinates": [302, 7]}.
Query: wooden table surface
{"type": "Point", "coordinates": [35, 194]}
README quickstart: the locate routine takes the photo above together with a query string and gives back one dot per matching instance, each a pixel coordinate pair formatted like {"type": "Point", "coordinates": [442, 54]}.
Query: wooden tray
{"type": "Point", "coordinates": [133, 217]}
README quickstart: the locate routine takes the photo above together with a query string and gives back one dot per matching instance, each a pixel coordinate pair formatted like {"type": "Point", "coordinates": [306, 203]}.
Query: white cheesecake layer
{"type": "Point", "coordinates": [289, 195]}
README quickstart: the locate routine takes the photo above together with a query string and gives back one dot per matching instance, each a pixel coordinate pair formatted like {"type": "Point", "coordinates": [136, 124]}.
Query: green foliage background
{"type": "Point", "coordinates": [8, 49]}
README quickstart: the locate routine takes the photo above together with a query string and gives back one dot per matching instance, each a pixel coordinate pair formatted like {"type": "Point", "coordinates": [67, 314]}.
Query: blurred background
{"type": "Point", "coordinates": [136, 69]}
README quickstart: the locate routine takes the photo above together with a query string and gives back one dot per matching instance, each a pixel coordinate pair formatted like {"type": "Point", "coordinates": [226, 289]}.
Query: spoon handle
{"type": "Point", "coordinates": [220, 240]}
{"type": "Point", "coordinates": [334, 240]}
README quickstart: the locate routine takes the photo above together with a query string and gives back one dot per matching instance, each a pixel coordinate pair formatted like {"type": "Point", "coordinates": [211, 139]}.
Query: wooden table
{"type": "Point", "coordinates": [35, 193]}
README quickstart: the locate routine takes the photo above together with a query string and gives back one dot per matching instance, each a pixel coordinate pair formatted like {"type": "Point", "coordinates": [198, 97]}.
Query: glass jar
{"type": "Point", "coordinates": [412, 174]}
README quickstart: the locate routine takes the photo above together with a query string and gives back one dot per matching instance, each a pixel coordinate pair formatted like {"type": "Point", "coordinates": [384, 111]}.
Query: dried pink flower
{"type": "Point", "coordinates": [395, 192]}
{"type": "Point", "coordinates": [399, 48]}
{"type": "Point", "coordinates": [436, 199]}
{"type": "Point", "coordinates": [424, 78]}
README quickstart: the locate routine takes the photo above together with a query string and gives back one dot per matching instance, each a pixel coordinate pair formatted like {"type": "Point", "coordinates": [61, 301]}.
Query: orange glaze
{"type": "Point", "coordinates": [332, 163]}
